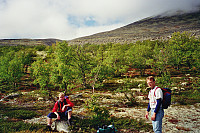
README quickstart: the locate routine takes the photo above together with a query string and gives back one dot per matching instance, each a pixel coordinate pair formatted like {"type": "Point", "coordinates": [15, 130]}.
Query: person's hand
{"type": "Point", "coordinates": [146, 115]}
{"type": "Point", "coordinates": [153, 118]}
{"type": "Point", "coordinates": [63, 108]}
{"type": "Point", "coordinates": [58, 117]}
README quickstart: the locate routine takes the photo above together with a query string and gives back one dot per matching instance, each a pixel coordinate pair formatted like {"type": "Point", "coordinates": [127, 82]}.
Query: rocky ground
{"type": "Point", "coordinates": [177, 119]}
{"type": "Point", "coordinates": [182, 119]}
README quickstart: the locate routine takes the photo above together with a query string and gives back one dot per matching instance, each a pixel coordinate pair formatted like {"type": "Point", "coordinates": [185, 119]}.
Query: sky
{"type": "Point", "coordinates": [70, 19]}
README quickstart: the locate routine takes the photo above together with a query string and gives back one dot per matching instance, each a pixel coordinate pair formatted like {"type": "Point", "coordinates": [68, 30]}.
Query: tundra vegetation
{"type": "Point", "coordinates": [75, 68]}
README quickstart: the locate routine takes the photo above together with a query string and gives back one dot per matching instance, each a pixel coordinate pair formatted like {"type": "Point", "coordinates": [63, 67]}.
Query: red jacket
{"type": "Point", "coordinates": [56, 109]}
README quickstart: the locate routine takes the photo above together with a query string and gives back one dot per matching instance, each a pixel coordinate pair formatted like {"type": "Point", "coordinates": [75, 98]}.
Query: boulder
{"type": "Point", "coordinates": [60, 126]}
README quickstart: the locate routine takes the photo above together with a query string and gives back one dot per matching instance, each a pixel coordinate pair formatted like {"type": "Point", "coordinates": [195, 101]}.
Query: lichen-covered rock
{"type": "Point", "coordinates": [60, 126]}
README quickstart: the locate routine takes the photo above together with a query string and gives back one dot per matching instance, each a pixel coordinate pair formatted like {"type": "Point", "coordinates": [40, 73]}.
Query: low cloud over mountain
{"type": "Point", "coordinates": [69, 19]}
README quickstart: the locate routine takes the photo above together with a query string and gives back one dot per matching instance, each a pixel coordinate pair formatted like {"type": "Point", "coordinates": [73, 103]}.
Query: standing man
{"type": "Point", "coordinates": [155, 105]}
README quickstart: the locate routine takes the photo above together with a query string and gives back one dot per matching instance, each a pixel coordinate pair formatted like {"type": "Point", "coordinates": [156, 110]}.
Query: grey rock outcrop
{"type": "Point", "coordinates": [60, 126]}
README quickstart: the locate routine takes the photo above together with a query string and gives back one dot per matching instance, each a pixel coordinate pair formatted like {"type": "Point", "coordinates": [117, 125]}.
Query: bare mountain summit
{"type": "Point", "coordinates": [152, 28]}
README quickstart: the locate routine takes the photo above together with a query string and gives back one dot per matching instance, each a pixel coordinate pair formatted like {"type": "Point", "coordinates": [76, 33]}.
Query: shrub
{"type": "Point", "coordinates": [98, 112]}
{"type": "Point", "coordinates": [126, 90]}
{"type": "Point", "coordinates": [165, 80]}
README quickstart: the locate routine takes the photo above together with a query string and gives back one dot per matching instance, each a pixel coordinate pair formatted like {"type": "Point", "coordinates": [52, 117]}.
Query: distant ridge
{"type": "Point", "coordinates": [152, 28]}
{"type": "Point", "coordinates": [14, 42]}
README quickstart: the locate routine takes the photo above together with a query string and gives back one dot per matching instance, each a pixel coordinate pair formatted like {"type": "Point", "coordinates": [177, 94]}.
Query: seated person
{"type": "Point", "coordinates": [61, 109]}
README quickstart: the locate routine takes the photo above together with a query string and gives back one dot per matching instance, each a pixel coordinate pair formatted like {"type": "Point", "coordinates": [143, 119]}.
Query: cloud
{"type": "Point", "coordinates": [32, 18]}
{"type": "Point", "coordinates": [68, 19]}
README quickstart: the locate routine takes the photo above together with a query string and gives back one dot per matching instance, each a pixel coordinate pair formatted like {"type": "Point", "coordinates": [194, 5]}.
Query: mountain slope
{"type": "Point", "coordinates": [149, 28]}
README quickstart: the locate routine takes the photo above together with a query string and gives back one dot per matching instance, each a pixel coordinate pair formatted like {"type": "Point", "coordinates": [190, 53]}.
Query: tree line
{"type": "Point", "coordinates": [67, 66]}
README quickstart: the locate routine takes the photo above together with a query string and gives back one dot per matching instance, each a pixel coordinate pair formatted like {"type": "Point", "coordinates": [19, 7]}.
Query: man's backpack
{"type": "Point", "coordinates": [166, 102]}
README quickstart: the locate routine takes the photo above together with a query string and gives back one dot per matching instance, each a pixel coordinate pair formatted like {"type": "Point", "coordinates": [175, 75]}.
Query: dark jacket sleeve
{"type": "Point", "coordinates": [148, 108]}
{"type": "Point", "coordinates": [158, 105]}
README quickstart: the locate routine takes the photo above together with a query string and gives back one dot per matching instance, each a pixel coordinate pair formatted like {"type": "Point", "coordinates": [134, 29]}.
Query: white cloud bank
{"type": "Point", "coordinates": [68, 19]}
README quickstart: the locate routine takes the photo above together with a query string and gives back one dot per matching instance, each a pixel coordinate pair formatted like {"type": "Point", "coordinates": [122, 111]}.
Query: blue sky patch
{"type": "Point", "coordinates": [88, 21]}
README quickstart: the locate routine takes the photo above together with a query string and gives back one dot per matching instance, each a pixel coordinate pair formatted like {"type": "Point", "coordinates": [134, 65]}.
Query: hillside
{"type": "Point", "coordinates": [150, 28]}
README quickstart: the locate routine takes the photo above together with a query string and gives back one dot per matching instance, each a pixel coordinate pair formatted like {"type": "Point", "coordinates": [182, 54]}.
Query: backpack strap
{"type": "Point", "coordinates": [65, 102]}
{"type": "Point", "coordinates": [161, 90]}
{"type": "Point", "coordinates": [59, 102]}
{"type": "Point", "coordinates": [155, 91]}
